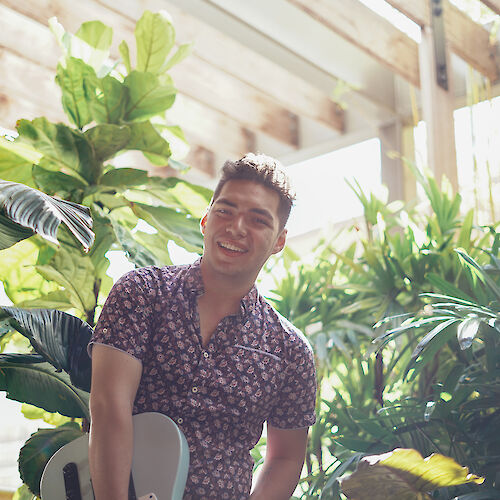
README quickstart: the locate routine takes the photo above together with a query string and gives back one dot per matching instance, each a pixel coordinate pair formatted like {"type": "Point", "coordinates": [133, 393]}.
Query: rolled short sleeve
{"type": "Point", "coordinates": [295, 407]}
{"type": "Point", "coordinates": [124, 322]}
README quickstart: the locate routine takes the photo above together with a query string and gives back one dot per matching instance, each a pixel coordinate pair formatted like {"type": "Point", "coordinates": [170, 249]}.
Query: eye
{"type": "Point", "coordinates": [261, 221]}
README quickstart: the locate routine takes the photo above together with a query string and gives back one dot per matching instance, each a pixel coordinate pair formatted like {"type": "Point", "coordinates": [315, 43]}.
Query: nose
{"type": "Point", "coordinates": [236, 227]}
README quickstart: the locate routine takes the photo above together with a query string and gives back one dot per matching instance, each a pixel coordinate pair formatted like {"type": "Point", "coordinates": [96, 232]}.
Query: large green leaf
{"type": "Point", "coordinates": [107, 140]}
{"type": "Point", "coordinates": [59, 337]}
{"type": "Point", "coordinates": [63, 148]}
{"type": "Point", "coordinates": [75, 273]}
{"type": "Point", "coordinates": [139, 254]}
{"type": "Point", "coordinates": [107, 99]}
{"type": "Point", "coordinates": [403, 474]}
{"type": "Point", "coordinates": [146, 138]}
{"type": "Point", "coordinates": [11, 233]}
{"type": "Point", "coordinates": [180, 227]}
{"type": "Point", "coordinates": [96, 34]}
{"type": "Point", "coordinates": [29, 381]}
{"type": "Point", "coordinates": [33, 209]}
{"type": "Point", "coordinates": [57, 183]}
{"type": "Point", "coordinates": [13, 165]}
{"type": "Point", "coordinates": [155, 37]}
{"type": "Point", "coordinates": [57, 299]}
{"type": "Point", "coordinates": [147, 96]}
{"type": "Point", "coordinates": [18, 274]}
{"type": "Point", "coordinates": [72, 78]}
{"type": "Point", "coordinates": [124, 178]}
{"type": "Point", "coordinates": [39, 448]}
{"type": "Point", "coordinates": [174, 192]}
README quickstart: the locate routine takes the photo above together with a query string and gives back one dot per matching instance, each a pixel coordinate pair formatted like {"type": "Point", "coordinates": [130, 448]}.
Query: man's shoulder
{"type": "Point", "coordinates": [291, 335]}
{"type": "Point", "coordinates": [149, 276]}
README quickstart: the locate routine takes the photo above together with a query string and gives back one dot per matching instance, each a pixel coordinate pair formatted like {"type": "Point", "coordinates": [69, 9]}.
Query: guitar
{"type": "Point", "coordinates": [160, 464]}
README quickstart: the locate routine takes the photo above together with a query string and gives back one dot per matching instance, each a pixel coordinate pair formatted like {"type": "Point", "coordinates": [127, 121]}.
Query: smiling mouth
{"type": "Point", "coordinates": [232, 248]}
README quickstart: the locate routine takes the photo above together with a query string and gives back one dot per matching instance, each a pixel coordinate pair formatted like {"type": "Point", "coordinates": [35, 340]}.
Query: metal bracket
{"type": "Point", "coordinates": [439, 38]}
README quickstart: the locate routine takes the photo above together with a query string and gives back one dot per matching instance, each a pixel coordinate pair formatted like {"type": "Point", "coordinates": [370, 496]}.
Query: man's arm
{"type": "Point", "coordinates": [115, 379]}
{"type": "Point", "coordinates": [280, 473]}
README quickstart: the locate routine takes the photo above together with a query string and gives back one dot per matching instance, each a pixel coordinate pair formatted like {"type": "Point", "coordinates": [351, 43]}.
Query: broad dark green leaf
{"type": "Point", "coordinates": [124, 178]}
{"type": "Point", "coordinates": [155, 244]}
{"type": "Point", "coordinates": [59, 337]}
{"type": "Point", "coordinates": [146, 138]}
{"type": "Point", "coordinates": [155, 37]}
{"type": "Point", "coordinates": [63, 148]}
{"type": "Point", "coordinates": [11, 233]}
{"type": "Point", "coordinates": [107, 98]}
{"type": "Point", "coordinates": [147, 97]}
{"type": "Point", "coordinates": [180, 227]}
{"type": "Point", "coordinates": [107, 140]}
{"type": "Point", "coordinates": [71, 78]}
{"type": "Point", "coordinates": [53, 183]}
{"type": "Point", "coordinates": [43, 214]}
{"type": "Point", "coordinates": [39, 448]}
{"type": "Point", "coordinates": [41, 385]}
{"type": "Point", "coordinates": [135, 251]}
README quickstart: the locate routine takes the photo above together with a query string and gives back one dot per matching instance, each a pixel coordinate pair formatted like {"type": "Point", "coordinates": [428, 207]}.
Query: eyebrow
{"type": "Point", "coordinates": [260, 211]}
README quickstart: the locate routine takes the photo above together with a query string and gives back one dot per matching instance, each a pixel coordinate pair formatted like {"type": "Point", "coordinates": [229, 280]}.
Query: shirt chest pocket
{"type": "Point", "coordinates": [253, 379]}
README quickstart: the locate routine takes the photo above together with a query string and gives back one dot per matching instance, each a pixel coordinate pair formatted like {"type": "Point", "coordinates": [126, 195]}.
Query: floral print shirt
{"type": "Point", "coordinates": [257, 367]}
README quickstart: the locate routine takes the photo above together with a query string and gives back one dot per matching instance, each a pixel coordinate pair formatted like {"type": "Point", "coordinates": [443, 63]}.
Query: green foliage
{"type": "Point", "coordinates": [405, 333]}
{"type": "Point", "coordinates": [55, 172]}
{"type": "Point", "coordinates": [405, 475]}
{"type": "Point", "coordinates": [38, 449]}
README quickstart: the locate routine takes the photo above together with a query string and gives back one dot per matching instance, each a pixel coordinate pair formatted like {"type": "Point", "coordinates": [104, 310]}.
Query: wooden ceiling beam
{"type": "Point", "coordinates": [494, 5]}
{"type": "Point", "coordinates": [203, 126]}
{"type": "Point", "coordinates": [367, 30]}
{"type": "Point", "coordinates": [227, 54]}
{"type": "Point", "coordinates": [35, 93]}
{"type": "Point", "coordinates": [467, 39]}
{"type": "Point", "coordinates": [194, 77]}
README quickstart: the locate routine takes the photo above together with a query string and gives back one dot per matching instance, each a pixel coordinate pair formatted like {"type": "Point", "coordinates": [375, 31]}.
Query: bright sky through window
{"type": "Point", "coordinates": [323, 196]}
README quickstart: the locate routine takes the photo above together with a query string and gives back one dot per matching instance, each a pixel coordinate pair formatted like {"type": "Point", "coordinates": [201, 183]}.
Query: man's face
{"type": "Point", "coordinates": [241, 229]}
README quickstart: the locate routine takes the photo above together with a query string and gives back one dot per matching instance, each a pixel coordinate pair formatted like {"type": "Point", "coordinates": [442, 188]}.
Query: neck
{"type": "Point", "coordinates": [226, 288]}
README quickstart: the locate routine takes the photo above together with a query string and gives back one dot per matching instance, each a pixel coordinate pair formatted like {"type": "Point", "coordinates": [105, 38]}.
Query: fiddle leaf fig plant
{"type": "Point", "coordinates": [64, 204]}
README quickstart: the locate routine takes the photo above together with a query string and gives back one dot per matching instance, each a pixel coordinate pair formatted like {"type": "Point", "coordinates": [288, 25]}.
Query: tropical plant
{"type": "Point", "coordinates": [55, 172]}
{"type": "Point", "coordinates": [366, 404]}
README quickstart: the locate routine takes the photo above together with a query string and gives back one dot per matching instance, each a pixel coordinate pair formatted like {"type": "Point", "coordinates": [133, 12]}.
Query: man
{"type": "Point", "coordinates": [199, 344]}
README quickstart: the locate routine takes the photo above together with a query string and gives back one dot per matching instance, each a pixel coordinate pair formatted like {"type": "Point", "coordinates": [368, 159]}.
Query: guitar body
{"type": "Point", "coordinates": [159, 465]}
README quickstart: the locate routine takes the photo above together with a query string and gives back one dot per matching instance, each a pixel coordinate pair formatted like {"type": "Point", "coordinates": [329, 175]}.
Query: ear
{"type": "Point", "coordinates": [280, 242]}
{"type": "Point", "coordinates": [203, 223]}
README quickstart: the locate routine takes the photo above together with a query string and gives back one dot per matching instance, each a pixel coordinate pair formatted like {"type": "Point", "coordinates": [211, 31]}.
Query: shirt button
{"type": "Point", "coordinates": [180, 420]}
{"type": "Point", "coordinates": [194, 389]}
{"type": "Point", "coordinates": [205, 353]}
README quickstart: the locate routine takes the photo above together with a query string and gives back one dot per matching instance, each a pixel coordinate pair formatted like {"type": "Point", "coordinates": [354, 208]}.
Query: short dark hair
{"type": "Point", "coordinates": [264, 170]}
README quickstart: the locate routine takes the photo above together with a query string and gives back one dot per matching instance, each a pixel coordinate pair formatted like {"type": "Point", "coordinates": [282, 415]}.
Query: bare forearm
{"type": "Point", "coordinates": [110, 457]}
{"type": "Point", "coordinates": [277, 479]}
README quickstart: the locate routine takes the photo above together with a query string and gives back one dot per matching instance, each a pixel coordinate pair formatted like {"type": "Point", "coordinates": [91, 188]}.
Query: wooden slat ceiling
{"type": "Point", "coordinates": [262, 75]}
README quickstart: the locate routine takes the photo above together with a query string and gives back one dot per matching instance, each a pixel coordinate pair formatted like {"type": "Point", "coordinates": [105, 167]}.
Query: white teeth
{"type": "Point", "coordinates": [231, 247]}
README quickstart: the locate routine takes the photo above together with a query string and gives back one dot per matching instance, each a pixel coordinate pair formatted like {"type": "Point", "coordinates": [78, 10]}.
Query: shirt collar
{"type": "Point", "coordinates": [194, 284]}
